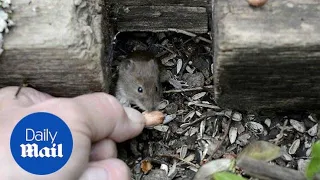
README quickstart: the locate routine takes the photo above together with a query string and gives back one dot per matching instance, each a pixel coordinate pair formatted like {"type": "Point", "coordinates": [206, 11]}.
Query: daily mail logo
{"type": "Point", "coordinates": [41, 138]}
{"type": "Point", "coordinates": [32, 150]}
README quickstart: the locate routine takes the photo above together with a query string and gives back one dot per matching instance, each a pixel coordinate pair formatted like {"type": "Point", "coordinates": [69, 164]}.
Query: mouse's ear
{"type": "Point", "coordinates": [152, 63]}
{"type": "Point", "coordinates": [127, 64]}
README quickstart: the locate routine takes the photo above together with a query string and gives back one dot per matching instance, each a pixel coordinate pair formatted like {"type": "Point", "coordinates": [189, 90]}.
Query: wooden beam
{"type": "Point", "coordinates": [190, 3]}
{"type": "Point", "coordinates": [56, 46]}
{"type": "Point", "coordinates": [160, 15]}
{"type": "Point", "coordinates": [268, 57]}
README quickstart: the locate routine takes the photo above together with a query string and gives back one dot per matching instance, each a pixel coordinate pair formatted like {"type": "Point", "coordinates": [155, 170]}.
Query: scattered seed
{"type": "Point", "coordinates": [235, 115]}
{"type": "Point", "coordinates": [215, 127]}
{"type": "Point", "coordinates": [203, 105]}
{"type": "Point", "coordinates": [189, 116]}
{"type": "Point", "coordinates": [168, 60]}
{"type": "Point", "coordinates": [286, 156]}
{"type": "Point", "coordinates": [165, 168]}
{"type": "Point", "coordinates": [161, 128]}
{"type": "Point", "coordinates": [255, 127]}
{"type": "Point", "coordinates": [184, 125]}
{"type": "Point", "coordinates": [267, 122]}
{"type": "Point", "coordinates": [173, 169]}
{"type": "Point", "coordinates": [169, 118]}
{"type": "Point", "coordinates": [202, 128]}
{"type": "Point", "coordinates": [163, 104]}
{"type": "Point", "coordinates": [179, 65]}
{"type": "Point", "coordinates": [192, 131]}
{"type": "Point", "coordinates": [251, 117]}
{"type": "Point", "coordinates": [212, 68]}
{"type": "Point", "coordinates": [189, 158]}
{"type": "Point", "coordinates": [313, 131]}
{"type": "Point", "coordinates": [294, 147]}
{"type": "Point", "coordinates": [190, 70]}
{"type": "Point", "coordinates": [243, 139]}
{"type": "Point", "coordinates": [184, 150]}
{"type": "Point", "coordinates": [308, 152]}
{"type": "Point", "coordinates": [172, 108]}
{"type": "Point", "coordinates": [198, 113]}
{"type": "Point", "coordinates": [182, 130]}
{"type": "Point", "coordinates": [198, 95]}
{"type": "Point", "coordinates": [205, 151]}
{"type": "Point", "coordinates": [297, 125]}
{"type": "Point", "coordinates": [177, 84]}
{"type": "Point", "coordinates": [239, 127]}
{"type": "Point", "coordinates": [313, 118]}
{"type": "Point", "coordinates": [233, 134]}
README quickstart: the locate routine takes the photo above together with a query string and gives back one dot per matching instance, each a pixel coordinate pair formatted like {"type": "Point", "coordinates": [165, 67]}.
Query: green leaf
{"type": "Point", "coordinates": [227, 176]}
{"type": "Point", "coordinates": [261, 150]}
{"type": "Point", "coordinates": [316, 150]}
{"type": "Point", "coordinates": [208, 169]}
{"type": "Point", "coordinates": [314, 165]}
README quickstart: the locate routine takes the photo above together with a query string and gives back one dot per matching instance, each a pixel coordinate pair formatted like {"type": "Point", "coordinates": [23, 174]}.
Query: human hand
{"type": "Point", "coordinates": [96, 119]}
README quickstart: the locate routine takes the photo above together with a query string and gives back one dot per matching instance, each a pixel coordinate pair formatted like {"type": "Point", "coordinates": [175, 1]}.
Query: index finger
{"type": "Point", "coordinates": [101, 115]}
{"type": "Point", "coordinates": [108, 118]}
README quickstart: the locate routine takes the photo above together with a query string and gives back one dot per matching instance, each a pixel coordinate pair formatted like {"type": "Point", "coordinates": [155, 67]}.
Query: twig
{"type": "Point", "coordinates": [280, 135]}
{"type": "Point", "coordinates": [182, 160]}
{"type": "Point", "coordinates": [204, 105]}
{"type": "Point", "coordinates": [190, 34]}
{"type": "Point", "coordinates": [222, 140]}
{"type": "Point", "coordinates": [23, 84]}
{"type": "Point", "coordinates": [209, 114]}
{"type": "Point", "coordinates": [164, 47]}
{"type": "Point", "coordinates": [184, 66]}
{"type": "Point", "coordinates": [264, 170]}
{"type": "Point", "coordinates": [18, 91]}
{"type": "Point", "coordinates": [189, 89]}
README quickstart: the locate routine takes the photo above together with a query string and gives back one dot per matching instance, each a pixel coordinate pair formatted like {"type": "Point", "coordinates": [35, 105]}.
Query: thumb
{"type": "Point", "coordinates": [106, 170]}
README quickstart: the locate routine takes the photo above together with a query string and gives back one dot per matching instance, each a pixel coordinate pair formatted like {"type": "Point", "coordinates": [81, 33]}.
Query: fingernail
{"type": "Point", "coordinates": [135, 116]}
{"type": "Point", "coordinates": [96, 173]}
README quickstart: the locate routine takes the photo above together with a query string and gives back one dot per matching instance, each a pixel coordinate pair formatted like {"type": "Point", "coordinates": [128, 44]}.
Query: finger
{"type": "Point", "coordinates": [107, 170]}
{"type": "Point", "coordinates": [107, 117]}
{"type": "Point", "coordinates": [104, 149]}
{"type": "Point", "coordinates": [26, 97]}
{"type": "Point", "coordinates": [97, 115]}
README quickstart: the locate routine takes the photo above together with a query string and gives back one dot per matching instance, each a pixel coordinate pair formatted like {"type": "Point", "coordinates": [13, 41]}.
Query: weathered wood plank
{"type": "Point", "coordinates": [267, 58]}
{"type": "Point", "coordinates": [56, 46]}
{"type": "Point", "coordinates": [190, 3]}
{"type": "Point", "coordinates": [159, 16]}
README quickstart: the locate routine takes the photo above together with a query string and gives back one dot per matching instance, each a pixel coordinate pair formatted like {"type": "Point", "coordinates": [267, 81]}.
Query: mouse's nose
{"type": "Point", "coordinates": [153, 108]}
{"type": "Point", "coordinates": [154, 104]}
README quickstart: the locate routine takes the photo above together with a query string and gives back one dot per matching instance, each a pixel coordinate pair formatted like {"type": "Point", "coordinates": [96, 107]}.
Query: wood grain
{"type": "Point", "coordinates": [157, 16]}
{"type": "Point", "coordinates": [56, 46]}
{"type": "Point", "coordinates": [267, 58]}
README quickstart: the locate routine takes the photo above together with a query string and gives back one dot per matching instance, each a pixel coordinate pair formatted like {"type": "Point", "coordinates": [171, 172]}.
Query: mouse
{"type": "Point", "coordinates": [138, 82]}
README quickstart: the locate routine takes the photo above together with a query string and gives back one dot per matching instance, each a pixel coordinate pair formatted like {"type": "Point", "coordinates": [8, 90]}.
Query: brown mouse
{"type": "Point", "coordinates": [138, 81]}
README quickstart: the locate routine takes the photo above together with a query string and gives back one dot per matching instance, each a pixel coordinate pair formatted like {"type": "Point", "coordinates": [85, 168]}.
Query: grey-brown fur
{"type": "Point", "coordinates": [139, 69]}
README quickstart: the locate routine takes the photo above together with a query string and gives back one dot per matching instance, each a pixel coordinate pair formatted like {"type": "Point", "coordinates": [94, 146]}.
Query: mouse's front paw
{"type": "Point", "coordinates": [124, 102]}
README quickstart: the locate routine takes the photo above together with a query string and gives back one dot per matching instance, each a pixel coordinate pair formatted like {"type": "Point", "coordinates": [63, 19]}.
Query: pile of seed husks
{"type": "Point", "coordinates": [196, 130]}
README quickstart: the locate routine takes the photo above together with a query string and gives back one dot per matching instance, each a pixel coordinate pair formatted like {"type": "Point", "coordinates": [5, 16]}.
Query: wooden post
{"type": "Point", "coordinates": [268, 57]}
{"type": "Point", "coordinates": [57, 46]}
{"type": "Point", "coordinates": [160, 15]}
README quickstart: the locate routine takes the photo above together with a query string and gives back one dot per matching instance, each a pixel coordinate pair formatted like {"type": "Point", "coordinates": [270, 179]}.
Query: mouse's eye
{"type": "Point", "coordinates": [140, 90]}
